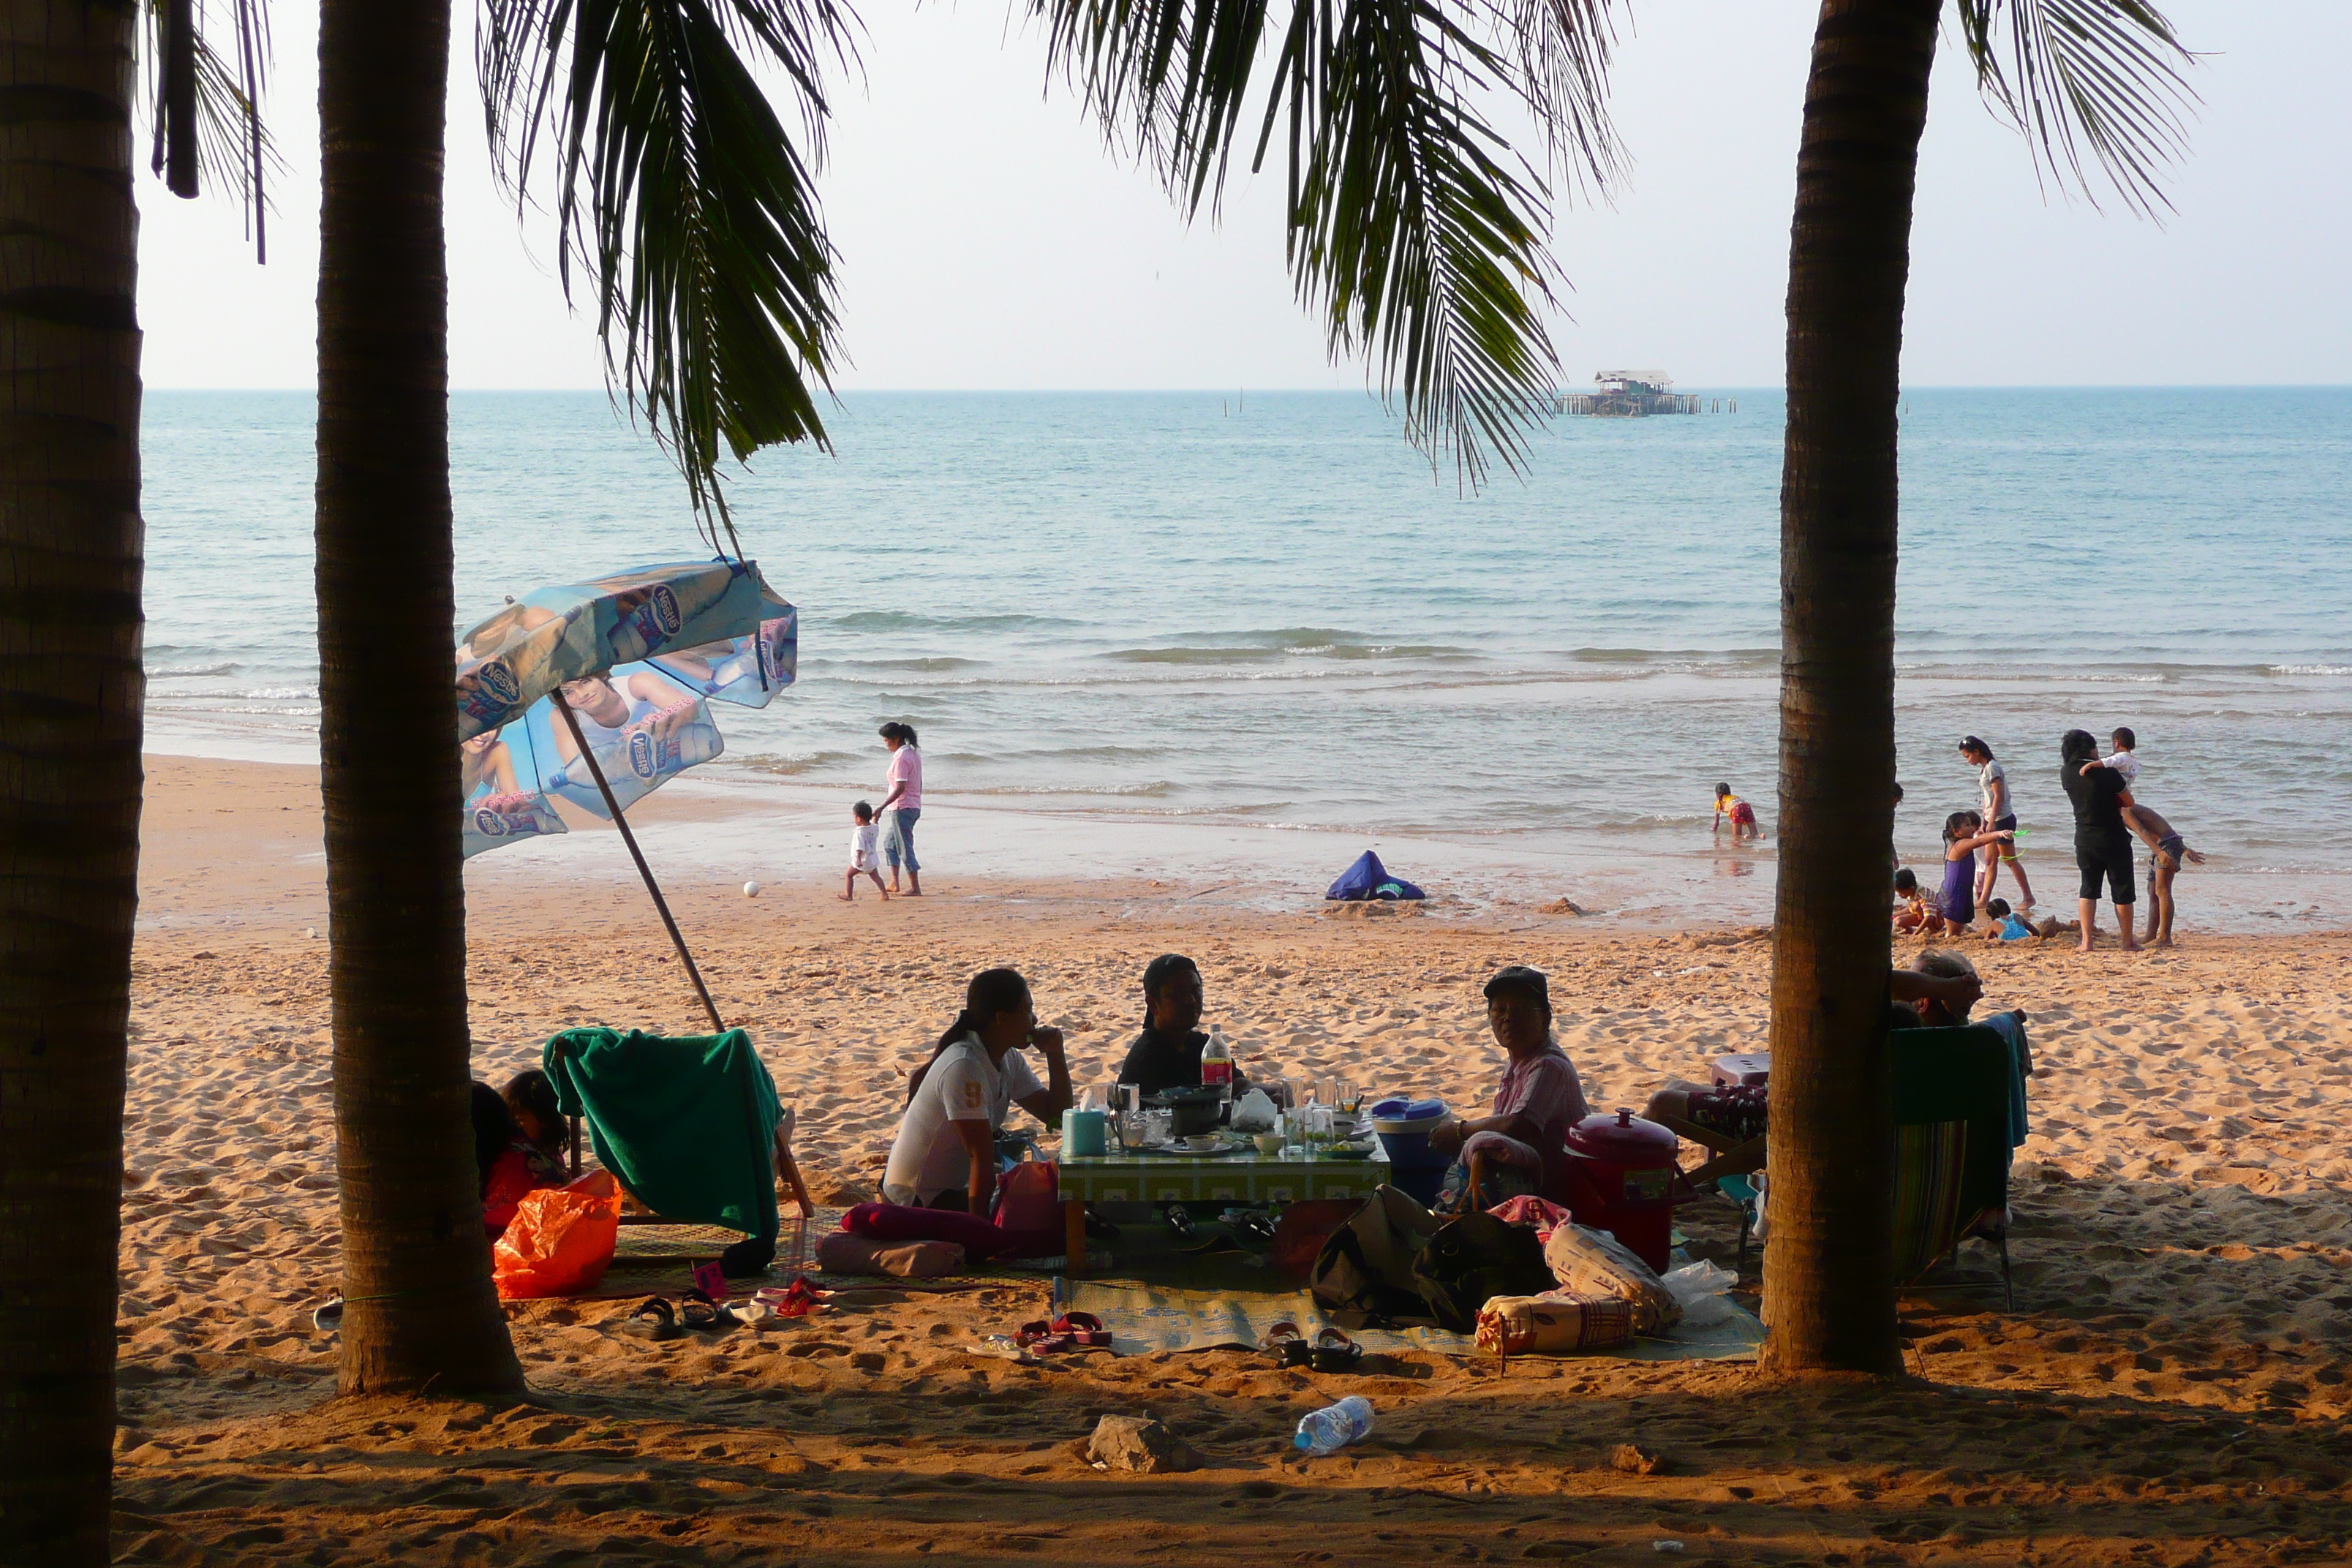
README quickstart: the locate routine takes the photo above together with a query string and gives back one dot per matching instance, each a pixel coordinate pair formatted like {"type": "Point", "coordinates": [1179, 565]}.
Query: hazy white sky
{"type": "Point", "coordinates": [989, 241]}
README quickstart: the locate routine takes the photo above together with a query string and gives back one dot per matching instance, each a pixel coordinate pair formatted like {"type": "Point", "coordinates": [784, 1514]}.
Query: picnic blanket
{"type": "Point", "coordinates": [1145, 1318]}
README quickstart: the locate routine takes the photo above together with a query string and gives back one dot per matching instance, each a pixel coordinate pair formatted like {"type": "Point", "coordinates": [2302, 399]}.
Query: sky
{"type": "Point", "coordinates": [989, 241]}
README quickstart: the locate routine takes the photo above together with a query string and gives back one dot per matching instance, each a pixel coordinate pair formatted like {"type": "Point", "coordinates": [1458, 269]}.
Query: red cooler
{"type": "Point", "coordinates": [1620, 1171]}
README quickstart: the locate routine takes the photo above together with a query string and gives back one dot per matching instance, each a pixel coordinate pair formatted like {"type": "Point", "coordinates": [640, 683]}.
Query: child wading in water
{"type": "Point", "coordinates": [863, 859]}
{"type": "Point", "coordinates": [1964, 834]}
{"type": "Point", "coordinates": [1741, 814]}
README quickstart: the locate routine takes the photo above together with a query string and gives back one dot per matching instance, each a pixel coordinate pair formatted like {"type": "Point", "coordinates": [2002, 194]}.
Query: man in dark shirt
{"type": "Point", "coordinates": [1166, 1054]}
{"type": "Point", "coordinates": [2103, 848]}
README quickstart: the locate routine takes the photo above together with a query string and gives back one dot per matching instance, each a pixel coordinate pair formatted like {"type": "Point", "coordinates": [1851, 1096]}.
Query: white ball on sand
{"type": "Point", "coordinates": [751, 890]}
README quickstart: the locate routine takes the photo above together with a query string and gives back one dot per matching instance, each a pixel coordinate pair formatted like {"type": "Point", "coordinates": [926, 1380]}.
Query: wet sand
{"type": "Point", "coordinates": [2170, 1389]}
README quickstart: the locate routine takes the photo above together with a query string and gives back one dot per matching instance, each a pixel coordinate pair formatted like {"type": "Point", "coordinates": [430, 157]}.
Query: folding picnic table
{"type": "Point", "coordinates": [1242, 1178]}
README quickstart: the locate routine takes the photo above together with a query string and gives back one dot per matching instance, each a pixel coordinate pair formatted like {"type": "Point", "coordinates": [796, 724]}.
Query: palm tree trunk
{"type": "Point", "coordinates": [70, 691]}
{"type": "Point", "coordinates": [421, 1313]}
{"type": "Point", "coordinates": [1829, 1287]}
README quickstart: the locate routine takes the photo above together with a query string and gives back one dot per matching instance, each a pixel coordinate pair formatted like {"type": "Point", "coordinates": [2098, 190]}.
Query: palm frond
{"type": "Point", "coordinates": [2105, 75]}
{"type": "Point", "coordinates": [1413, 231]}
{"type": "Point", "coordinates": [221, 96]}
{"type": "Point", "coordinates": [692, 210]}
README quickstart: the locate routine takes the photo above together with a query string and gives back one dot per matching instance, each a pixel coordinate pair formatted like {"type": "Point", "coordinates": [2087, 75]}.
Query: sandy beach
{"type": "Point", "coordinates": [2170, 1389]}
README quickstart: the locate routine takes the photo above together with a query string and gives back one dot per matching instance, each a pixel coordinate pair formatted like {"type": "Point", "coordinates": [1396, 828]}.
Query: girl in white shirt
{"type": "Point", "coordinates": [945, 1153]}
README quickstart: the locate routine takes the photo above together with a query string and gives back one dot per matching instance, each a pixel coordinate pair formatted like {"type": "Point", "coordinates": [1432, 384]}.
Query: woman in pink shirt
{"type": "Point", "coordinates": [902, 805]}
{"type": "Point", "coordinates": [1521, 1147]}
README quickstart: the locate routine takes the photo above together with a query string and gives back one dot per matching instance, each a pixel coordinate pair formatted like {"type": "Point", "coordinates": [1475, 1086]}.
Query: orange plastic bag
{"type": "Point", "coordinates": [562, 1239]}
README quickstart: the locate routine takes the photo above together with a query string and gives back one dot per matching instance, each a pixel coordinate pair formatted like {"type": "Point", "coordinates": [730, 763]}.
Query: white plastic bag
{"type": "Point", "coordinates": [1253, 1112]}
{"type": "Point", "coordinates": [1699, 1288]}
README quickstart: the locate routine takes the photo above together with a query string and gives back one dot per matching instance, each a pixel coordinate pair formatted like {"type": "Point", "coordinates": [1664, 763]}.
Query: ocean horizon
{"type": "Point", "coordinates": [1264, 612]}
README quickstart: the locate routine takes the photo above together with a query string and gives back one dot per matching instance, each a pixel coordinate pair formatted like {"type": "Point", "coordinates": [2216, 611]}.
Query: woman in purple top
{"type": "Point", "coordinates": [902, 805]}
{"type": "Point", "coordinates": [1522, 1147]}
{"type": "Point", "coordinates": [1964, 834]}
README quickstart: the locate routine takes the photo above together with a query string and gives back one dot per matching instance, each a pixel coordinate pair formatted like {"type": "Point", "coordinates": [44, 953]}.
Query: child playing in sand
{"type": "Point", "coordinates": [2005, 924]}
{"type": "Point", "coordinates": [1964, 834]}
{"type": "Point", "coordinates": [1913, 913]}
{"type": "Point", "coordinates": [1741, 816]}
{"type": "Point", "coordinates": [864, 858]}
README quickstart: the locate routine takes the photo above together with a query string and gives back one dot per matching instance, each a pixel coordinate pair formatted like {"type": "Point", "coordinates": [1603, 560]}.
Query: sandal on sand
{"type": "Point", "coordinates": [798, 1299]}
{"type": "Point", "coordinates": [1335, 1351]}
{"type": "Point", "coordinates": [1285, 1344]}
{"type": "Point", "coordinates": [1041, 1337]}
{"type": "Point", "coordinates": [328, 1317]}
{"type": "Point", "coordinates": [697, 1310]}
{"type": "Point", "coordinates": [654, 1319]}
{"type": "Point", "coordinates": [1084, 1330]}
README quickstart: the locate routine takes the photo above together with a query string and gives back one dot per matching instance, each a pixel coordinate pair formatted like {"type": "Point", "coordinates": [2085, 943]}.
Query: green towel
{"type": "Point", "coordinates": [687, 1124]}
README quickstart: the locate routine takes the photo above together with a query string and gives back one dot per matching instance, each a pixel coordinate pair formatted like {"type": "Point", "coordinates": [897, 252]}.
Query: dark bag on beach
{"type": "Point", "coordinates": [1364, 1273]}
{"type": "Point", "coordinates": [1474, 1259]}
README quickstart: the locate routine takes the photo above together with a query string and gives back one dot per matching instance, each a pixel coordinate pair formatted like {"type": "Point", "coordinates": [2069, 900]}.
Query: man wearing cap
{"type": "Point", "coordinates": [1522, 1147]}
{"type": "Point", "coordinates": [1166, 1054]}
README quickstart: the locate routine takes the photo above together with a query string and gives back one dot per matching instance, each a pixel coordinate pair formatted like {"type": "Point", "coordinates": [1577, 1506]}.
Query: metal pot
{"type": "Point", "coordinates": [1192, 1112]}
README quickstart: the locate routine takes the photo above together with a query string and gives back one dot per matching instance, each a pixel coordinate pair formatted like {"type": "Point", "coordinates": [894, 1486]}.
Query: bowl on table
{"type": "Point", "coordinates": [1269, 1144]}
{"type": "Point", "coordinates": [1200, 1143]}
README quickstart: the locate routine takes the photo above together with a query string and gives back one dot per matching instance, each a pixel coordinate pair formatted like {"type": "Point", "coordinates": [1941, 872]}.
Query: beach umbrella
{"type": "Point", "coordinates": [598, 693]}
{"type": "Point", "coordinates": [637, 656]}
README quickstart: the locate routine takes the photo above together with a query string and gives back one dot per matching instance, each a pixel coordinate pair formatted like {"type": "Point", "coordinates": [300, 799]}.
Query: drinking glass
{"type": "Point", "coordinates": [1294, 1132]}
{"type": "Point", "coordinates": [1328, 1092]}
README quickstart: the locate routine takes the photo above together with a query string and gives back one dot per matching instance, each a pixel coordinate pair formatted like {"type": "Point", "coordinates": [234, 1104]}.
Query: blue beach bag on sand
{"type": "Point", "coordinates": [1367, 878]}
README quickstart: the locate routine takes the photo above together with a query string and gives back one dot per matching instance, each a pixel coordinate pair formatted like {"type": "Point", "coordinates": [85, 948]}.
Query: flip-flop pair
{"type": "Point", "coordinates": [655, 1318]}
{"type": "Point", "coordinates": [1070, 1332]}
{"type": "Point", "coordinates": [1331, 1351]}
{"type": "Point", "coordinates": [798, 1299]}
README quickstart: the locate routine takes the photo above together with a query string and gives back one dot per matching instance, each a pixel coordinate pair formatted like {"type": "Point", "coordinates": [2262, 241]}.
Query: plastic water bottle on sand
{"type": "Point", "coordinates": [1334, 1426]}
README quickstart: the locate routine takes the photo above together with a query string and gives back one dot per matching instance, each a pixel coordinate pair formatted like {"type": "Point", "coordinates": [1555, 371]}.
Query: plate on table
{"type": "Point", "coordinates": [1348, 1152]}
{"type": "Point", "coordinates": [1213, 1149]}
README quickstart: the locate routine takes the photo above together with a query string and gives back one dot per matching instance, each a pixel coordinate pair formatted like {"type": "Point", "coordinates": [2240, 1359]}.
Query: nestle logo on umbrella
{"type": "Point", "coordinates": [665, 610]}
{"type": "Point", "coordinates": [644, 758]}
{"type": "Point", "coordinates": [490, 824]}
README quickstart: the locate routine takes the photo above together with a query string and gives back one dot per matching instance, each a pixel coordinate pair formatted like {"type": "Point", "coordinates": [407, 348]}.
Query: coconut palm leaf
{"type": "Point", "coordinates": [220, 96]}
{"type": "Point", "coordinates": [1415, 232]}
{"type": "Point", "coordinates": [2101, 74]}
{"type": "Point", "coordinates": [689, 205]}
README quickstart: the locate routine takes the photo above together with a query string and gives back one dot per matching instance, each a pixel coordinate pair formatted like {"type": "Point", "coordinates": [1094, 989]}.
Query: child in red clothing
{"type": "Point", "coordinates": [508, 1163]}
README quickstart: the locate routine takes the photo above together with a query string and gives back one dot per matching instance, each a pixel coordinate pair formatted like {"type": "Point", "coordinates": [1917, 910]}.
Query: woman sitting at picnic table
{"type": "Point", "coordinates": [1166, 1054]}
{"type": "Point", "coordinates": [945, 1153]}
{"type": "Point", "coordinates": [1522, 1147]}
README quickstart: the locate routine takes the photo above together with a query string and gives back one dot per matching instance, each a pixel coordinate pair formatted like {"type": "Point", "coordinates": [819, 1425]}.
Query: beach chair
{"type": "Point", "coordinates": [1955, 1105]}
{"type": "Point", "coordinates": [691, 1128]}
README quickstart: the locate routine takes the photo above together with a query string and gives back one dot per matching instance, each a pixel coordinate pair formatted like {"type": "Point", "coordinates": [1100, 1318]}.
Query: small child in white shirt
{"type": "Point", "coordinates": [2123, 762]}
{"type": "Point", "coordinates": [863, 856]}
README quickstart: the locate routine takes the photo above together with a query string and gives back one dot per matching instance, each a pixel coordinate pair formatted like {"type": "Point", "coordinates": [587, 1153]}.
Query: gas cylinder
{"type": "Point", "coordinates": [1620, 1171]}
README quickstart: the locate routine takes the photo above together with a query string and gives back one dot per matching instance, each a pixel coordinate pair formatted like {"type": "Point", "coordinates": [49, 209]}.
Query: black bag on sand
{"type": "Point", "coordinates": [1365, 1272]}
{"type": "Point", "coordinates": [1474, 1259]}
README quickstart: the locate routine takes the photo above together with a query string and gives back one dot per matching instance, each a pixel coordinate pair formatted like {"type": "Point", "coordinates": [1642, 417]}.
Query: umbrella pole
{"type": "Point", "coordinates": [572, 722]}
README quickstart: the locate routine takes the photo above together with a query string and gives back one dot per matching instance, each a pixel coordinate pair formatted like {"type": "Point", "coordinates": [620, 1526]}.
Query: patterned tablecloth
{"type": "Point", "coordinates": [1244, 1178]}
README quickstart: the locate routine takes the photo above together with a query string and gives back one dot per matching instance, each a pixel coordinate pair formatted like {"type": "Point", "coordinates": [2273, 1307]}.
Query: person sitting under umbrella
{"type": "Point", "coordinates": [1521, 1147]}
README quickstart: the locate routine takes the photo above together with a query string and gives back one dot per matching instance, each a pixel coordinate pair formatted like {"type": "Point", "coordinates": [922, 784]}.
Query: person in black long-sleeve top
{"type": "Point", "coordinates": [1166, 1054]}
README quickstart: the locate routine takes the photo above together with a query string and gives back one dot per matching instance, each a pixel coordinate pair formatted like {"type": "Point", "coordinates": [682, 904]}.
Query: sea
{"type": "Point", "coordinates": [1267, 620]}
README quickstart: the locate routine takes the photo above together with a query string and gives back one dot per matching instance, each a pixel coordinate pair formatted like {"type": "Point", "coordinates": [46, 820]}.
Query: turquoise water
{"type": "Point", "coordinates": [1167, 605]}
